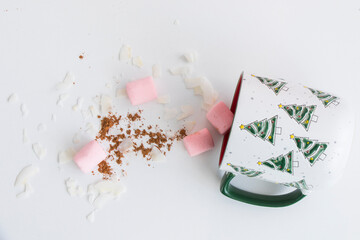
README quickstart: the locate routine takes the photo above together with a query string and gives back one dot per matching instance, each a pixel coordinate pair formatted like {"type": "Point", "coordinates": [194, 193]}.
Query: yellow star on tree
{"type": "Point", "coordinates": [228, 164]}
{"type": "Point", "coordinates": [280, 105]}
{"type": "Point", "coordinates": [259, 163]}
{"type": "Point", "coordinates": [242, 126]}
{"type": "Point", "coordinates": [307, 121]}
{"type": "Point", "coordinates": [269, 137]}
{"type": "Point", "coordinates": [292, 136]}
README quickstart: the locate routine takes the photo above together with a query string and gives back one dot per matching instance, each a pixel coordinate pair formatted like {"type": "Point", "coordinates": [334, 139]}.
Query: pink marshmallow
{"type": "Point", "coordinates": [90, 156]}
{"type": "Point", "coordinates": [141, 91]}
{"type": "Point", "coordinates": [220, 117]}
{"type": "Point", "coordinates": [198, 142]}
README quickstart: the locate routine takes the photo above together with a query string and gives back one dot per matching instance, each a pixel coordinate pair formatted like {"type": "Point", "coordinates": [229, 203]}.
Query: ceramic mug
{"type": "Point", "coordinates": [285, 133]}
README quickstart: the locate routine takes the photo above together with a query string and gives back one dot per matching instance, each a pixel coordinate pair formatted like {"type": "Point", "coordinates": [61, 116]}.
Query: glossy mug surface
{"type": "Point", "coordinates": [285, 133]}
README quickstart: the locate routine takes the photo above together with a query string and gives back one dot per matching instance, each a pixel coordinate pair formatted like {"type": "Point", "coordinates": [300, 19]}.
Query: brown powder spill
{"type": "Point", "coordinates": [106, 124]}
{"type": "Point", "coordinates": [105, 169]}
{"type": "Point", "coordinates": [145, 151]}
{"type": "Point", "coordinates": [119, 156]}
{"type": "Point", "coordinates": [143, 139]}
{"type": "Point", "coordinates": [134, 117]}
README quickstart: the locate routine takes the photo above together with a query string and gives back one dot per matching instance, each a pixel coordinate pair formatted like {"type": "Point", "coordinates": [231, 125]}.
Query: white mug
{"type": "Point", "coordinates": [285, 133]}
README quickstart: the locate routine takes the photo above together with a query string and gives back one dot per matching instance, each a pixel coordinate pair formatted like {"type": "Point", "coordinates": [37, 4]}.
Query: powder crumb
{"type": "Point", "coordinates": [106, 124]}
{"type": "Point", "coordinates": [62, 98]}
{"type": "Point", "coordinates": [66, 156]}
{"type": "Point", "coordinates": [76, 138]}
{"type": "Point", "coordinates": [67, 83]}
{"type": "Point", "coordinates": [165, 99]}
{"type": "Point", "coordinates": [134, 117]}
{"type": "Point", "coordinates": [189, 126]}
{"type": "Point", "coordinates": [144, 151]}
{"type": "Point", "coordinates": [198, 91]}
{"type": "Point", "coordinates": [13, 98]}
{"type": "Point", "coordinates": [184, 71]}
{"type": "Point", "coordinates": [73, 188]}
{"type": "Point", "coordinates": [23, 178]}
{"type": "Point", "coordinates": [191, 56]}
{"type": "Point", "coordinates": [39, 150]}
{"type": "Point", "coordinates": [125, 53]}
{"type": "Point", "coordinates": [105, 169]}
{"type": "Point", "coordinates": [157, 155]}
{"type": "Point", "coordinates": [24, 110]}
{"type": "Point", "coordinates": [25, 136]}
{"type": "Point", "coordinates": [121, 92]}
{"type": "Point", "coordinates": [137, 61]}
{"type": "Point", "coordinates": [187, 110]}
{"type": "Point", "coordinates": [106, 104]}
{"type": "Point", "coordinates": [156, 71]}
{"type": "Point", "coordinates": [91, 216]}
{"type": "Point", "coordinates": [78, 105]}
{"type": "Point", "coordinates": [93, 110]}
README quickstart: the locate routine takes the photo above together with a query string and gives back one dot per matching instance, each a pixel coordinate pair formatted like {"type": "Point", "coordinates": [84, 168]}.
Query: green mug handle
{"type": "Point", "coordinates": [258, 199]}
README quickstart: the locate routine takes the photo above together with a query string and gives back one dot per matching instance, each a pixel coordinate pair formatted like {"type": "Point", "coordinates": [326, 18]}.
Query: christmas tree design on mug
{"type": "Point", "coordinates": [324, 97]}
{"type": "Point", "coordinates": [275, 85]}
{"type": "Point", "coordinates": [283, 163]}
{"type": "Point", "coordinates": [312, 150]}
{"type": "Point", "coordinates": [265, 129]}
{"type": "Point", "coordinates": [302, 114]}
{"type": "Point", "coordinates": [245, 171]}
{"type": "Point", "coordinates": [299, 185]}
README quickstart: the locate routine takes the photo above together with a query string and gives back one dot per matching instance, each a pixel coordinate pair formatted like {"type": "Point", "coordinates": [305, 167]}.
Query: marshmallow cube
{"type": "Point", "coordinates": [141, 91]}
{"type": "Point", "coordinates": [220, 117]}
{"type": "Point", "coordinates": [198, 142]}
{"type": "Point", "coordinates": [90, 156]}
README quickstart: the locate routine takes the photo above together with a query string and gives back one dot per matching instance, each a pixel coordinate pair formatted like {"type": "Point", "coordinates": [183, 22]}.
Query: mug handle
{"type": "Point", "coordinates": [258, 199]}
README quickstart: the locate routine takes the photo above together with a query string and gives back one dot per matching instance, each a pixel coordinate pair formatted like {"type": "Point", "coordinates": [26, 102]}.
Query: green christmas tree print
{"type": "Point", "coordinates": [281, 163]}
{"type": "Point", "coordinates": [302, 114]}
{"type": "Point", "coordinates": [274, 85]}
{"type": "Point", "coordinates": [265, 129]}
{"type": "Point", "coordinates": [245, 171]}
{"type": "Point", "coordinates": [324, 97]}
{"type": "Point", "coordinates": [312, 150]}
{"type": "Point", "coordinates": [299, 185]}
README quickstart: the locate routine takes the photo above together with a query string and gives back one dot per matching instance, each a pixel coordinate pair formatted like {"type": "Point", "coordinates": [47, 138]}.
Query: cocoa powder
{"type": "Point", "coordinates": [134, 117]}
{"type": "Point", "coordinates": [106, 124]}
{"type": "Point", "coordinates": [105, 169]}
{"type": "Point", "coordinates": [140, 135]}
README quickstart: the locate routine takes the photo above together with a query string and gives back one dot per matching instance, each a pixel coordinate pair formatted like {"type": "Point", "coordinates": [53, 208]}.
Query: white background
{"type": "Point", "coordinates": [315, 42]}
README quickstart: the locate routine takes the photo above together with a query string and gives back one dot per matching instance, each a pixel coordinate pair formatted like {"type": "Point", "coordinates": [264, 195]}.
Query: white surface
{"type": "Point", "coordinates": [179, 199]}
